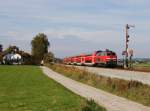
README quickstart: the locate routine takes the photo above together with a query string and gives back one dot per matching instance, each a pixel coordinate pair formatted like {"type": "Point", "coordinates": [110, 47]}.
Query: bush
{"type": "Point", "coordinates": [92, 106]}
{"type": "Point", "coordinates": [48, 58]}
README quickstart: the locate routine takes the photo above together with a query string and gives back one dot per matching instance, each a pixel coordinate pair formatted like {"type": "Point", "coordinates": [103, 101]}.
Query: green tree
{"type": "Point", "coordinates": [40, 46]}
{"type": "Point", "coordinates": [12, 49]}
{"type": "Point", "coordinates": [1, 48]}
{"type": "Point", "coordinates": [27, 58]}
{"type": "Point", "coordinates": [48, 58]}
{"type": "Point", "coordinates": [1, 57]}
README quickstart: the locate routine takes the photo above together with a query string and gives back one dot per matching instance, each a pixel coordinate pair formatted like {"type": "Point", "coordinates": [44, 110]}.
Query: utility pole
{"type": "Point", "coordinates": [126, 45]}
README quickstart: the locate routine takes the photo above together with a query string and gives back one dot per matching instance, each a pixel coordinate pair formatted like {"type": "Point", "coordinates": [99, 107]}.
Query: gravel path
{"type": "Point", "coordinates": [143, 77]}
{"type": "Point", "coordinates": [109, 101]}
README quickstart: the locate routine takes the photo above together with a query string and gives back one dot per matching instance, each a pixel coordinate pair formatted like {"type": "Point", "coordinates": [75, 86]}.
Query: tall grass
{"type": "Point", "coordinates": [132, 90]}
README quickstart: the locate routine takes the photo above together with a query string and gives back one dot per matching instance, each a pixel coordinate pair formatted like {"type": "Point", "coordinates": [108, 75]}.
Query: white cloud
{"type": "Point", "coordinates": [92, 36]}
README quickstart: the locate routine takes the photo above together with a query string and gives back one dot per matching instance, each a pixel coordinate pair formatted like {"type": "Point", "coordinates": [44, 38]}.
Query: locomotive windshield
{"type": "Point", "coordinates": [104, 53]}
{"type": "Point", "coordinates": [111, 54]}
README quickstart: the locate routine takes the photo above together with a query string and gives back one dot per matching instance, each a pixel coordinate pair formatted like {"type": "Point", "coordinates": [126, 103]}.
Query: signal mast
{"type": "Point", "coordinates": [126, 44]}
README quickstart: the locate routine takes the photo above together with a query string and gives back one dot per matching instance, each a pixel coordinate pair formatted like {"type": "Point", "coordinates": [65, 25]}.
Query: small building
{"type": "Point", "coordinates": [12, 59]}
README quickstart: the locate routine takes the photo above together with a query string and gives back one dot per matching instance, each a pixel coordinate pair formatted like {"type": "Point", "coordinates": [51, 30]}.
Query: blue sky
{"type": "Point", "coordinates": [76, 26]}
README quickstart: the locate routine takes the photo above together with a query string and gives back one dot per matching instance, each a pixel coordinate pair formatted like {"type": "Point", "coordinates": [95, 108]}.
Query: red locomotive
{"type": "Point", "coordinates": [104, 58]}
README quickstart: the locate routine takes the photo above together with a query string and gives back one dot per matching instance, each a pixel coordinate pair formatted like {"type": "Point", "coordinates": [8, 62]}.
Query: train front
{"type": "Point", "coordinates": [111, 59]}
{"type": "Point", "coordinates": [106, 58]}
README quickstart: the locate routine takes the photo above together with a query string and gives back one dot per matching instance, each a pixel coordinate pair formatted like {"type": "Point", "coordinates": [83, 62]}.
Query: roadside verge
{"type": "Point", "coordinates": [109, 101]}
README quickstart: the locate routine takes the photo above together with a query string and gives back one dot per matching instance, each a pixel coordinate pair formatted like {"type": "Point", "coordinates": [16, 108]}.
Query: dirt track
{"type": "Point", "coordinates": [109, 101]}
{"type": "Point", "coordinates": [143, 77]}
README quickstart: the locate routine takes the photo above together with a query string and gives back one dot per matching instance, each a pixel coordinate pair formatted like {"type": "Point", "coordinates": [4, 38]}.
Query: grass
{"type": "Point", "coordinates": [26, 88]}
{"type": "Point", "coordinates": [142, 67]}
{"type": "Point", "coordinates": [132, 90]}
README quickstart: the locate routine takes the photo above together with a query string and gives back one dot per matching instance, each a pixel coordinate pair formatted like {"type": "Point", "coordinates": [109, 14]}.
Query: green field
{"type": "Point", "coordinates": [142, 65]}
{"type": "Point", "coordinates": [26, 88]}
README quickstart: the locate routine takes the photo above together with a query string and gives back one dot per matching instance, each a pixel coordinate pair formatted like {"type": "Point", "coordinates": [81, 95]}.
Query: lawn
{"type": "Point", "coordinates": [26, 88]}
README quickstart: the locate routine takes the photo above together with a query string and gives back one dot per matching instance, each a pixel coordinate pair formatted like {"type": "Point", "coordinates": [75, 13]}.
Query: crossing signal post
{"type": "Point", "coordinates": [127, 45]}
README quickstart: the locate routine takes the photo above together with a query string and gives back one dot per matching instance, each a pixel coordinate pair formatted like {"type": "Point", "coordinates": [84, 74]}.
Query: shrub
{"type": "Point", "coordinates": [48, 57]}
{"type": "Point", "coordinates": [92, 106]}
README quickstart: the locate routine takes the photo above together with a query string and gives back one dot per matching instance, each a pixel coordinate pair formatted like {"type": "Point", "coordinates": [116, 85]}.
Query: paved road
{"type": "Point", "coordinates": [109, 101]}
{"type": "Point", "coordinates": [143, 77]}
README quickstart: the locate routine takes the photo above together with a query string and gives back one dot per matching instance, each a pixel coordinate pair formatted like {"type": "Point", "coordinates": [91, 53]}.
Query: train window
{"type": "Point", "coordinates": [111, 54]}
{"type": "Point", "coordinates": [98, 54]}
{"type": "Point", "coordinates": [101, 54]}
{"type": "Point", "coordinates": [105, 54]}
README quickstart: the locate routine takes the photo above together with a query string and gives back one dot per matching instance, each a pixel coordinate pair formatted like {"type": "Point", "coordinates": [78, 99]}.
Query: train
{"type": "Point", "coordinates": [105, 58]}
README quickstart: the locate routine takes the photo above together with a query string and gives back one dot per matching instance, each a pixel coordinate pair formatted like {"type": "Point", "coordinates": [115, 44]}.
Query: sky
{"type": "Point", "coordinates": [77, 26]}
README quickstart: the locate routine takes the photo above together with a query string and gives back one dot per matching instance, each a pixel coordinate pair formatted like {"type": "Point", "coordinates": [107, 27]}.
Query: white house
{"type": "Point", "coordinates": [12, 59]}
{"type": "Point", "coordinates": [16, 57]}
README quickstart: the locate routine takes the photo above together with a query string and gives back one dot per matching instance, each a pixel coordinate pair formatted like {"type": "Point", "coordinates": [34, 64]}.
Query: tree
{"type": "Point", "coordinates": [12, 49]}
{"type": "Point", "coordinates": [1, 57]}
{"type": "Point", "coordinates": [40, 46]}
{"type": "Point", "coordinates": [26, 57]}
{"type": "Point", "coordinates": [48, 58]}
{"type": "Point", "coordinates": [1, 48]}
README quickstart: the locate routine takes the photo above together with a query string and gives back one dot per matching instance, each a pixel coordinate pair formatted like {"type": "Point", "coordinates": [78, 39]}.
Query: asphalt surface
{"type": "Point", "coordinates": [109, 101]}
